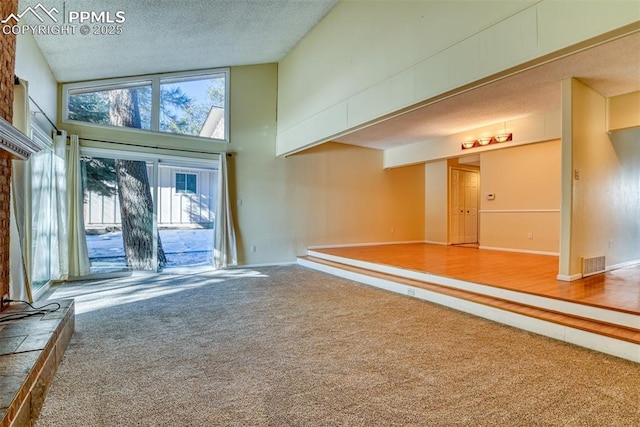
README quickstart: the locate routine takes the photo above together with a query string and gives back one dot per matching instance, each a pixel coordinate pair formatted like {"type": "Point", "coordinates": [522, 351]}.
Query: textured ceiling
{"type": "Point", "coordinates": [169, 35]}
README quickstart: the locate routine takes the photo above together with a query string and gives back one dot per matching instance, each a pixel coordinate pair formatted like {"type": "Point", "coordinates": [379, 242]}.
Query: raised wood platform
{"type": "Point", "coordinates": [601, 312]}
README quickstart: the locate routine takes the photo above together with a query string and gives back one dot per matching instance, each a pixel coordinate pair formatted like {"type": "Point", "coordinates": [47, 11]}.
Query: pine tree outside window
{"type": "Point", "coordinates": [190, 104]}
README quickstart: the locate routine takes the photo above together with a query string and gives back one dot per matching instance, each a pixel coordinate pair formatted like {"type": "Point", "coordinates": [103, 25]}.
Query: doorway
{"type": "Point", "coordinates": [147, 213]}
{"type": "Point", "coordinates": [463, 206]}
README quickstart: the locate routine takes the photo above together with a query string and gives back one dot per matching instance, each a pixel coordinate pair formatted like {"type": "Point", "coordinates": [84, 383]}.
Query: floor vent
{"type": "Point", "coordinates": [593, 265]}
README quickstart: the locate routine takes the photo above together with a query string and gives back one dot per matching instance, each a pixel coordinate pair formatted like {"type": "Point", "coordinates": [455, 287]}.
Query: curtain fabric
{"type": "Point", "coordinates": [224, 236]}
{"type": "Point", "coordinates": [19, 285]}
{"type": "Point", "coordinates": [60, 233]}
{"type": "Point", "coordinates": [78, 259]}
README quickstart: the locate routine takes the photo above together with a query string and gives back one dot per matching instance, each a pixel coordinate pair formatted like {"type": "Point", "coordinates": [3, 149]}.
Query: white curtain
{"type": "Point", "coordinates": [78, 260]}
{"type": "Point", "coordinates": [19, 286]}
{"type": "Point", "coordinates": [224, 236]}
{"type": "Point", "coordinates": [60, 233]}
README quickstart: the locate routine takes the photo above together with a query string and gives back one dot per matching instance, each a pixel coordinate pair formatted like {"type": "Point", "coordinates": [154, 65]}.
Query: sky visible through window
{"type": "Point", "coordinates": [189, 104]}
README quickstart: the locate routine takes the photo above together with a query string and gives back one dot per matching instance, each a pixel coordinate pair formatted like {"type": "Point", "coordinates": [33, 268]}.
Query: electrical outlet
{"type": "Point", "coordinates": [253, 249]}
{"type": "Point", "coordinates": [411, 292]}
{"type": "Point", "coordinates": [529, 235]}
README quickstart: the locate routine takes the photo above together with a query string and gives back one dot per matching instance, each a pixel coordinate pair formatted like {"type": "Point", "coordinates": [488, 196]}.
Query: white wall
{"type": "Point", "coordinates": [43, 88]}
{"type": "Point", "coordinates": [601, 183]}
{"type": "Point", "coordinates": [332, 194]}
{"type": "Point", "coordinates": [436, 202]}
{"type": "Point", "coordinates": [370, 58]}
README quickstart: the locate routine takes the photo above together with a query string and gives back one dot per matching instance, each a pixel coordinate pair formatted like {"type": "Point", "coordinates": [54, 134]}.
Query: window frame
{"type": "Point", "coordinates": [186, 191]}
{"type": "Point", "coordinates": [142, 80]}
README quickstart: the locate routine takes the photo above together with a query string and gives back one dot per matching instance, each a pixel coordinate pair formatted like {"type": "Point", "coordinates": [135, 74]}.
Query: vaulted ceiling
{"type": "Point", "coordinates": [168, 35]}
{"type": "Point", "coordinates": [165, 35]}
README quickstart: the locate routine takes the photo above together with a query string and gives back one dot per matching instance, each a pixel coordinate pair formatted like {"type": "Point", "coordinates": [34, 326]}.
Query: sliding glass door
{"type": "Point", "coordinates": [186, 211]}
{"type": "Point", "coordinates": [147, 214]}
{"type": "Point", "coordinates": [118, 213]}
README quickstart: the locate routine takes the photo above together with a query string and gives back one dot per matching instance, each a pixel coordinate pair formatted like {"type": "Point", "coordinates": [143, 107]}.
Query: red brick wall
{"type": "Point", "coordinates": [7, 67]}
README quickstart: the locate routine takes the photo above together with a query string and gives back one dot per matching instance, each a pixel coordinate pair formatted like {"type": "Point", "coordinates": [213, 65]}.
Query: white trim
{"type": "Point", "coordinates": [603, 344]}
{"type": "Point", "coordinates": [433, 242]}
{"type": "Point", "coordinates": [579, 276]}
{"type": "Point", "coordinates": [16, 142]}
{"type": "Point", "coordinates": [570, 278]}
{"type": "Point", "coordinates": [353, 245]}
{"type": "Point", "coordinates": [153, 81]}
{"type": "Point", "coordinates": [267, 264]}
{"type": "Point", "coordinates": [172, 160]}
{"type": "Point", "coordinates": [582, 310]}
{"type": "Point", "coordinates": [625, 264]}
{"type": "Point", "coordinates": [523, 251]}
{"type": "Point", "coordinates": [519, 211]}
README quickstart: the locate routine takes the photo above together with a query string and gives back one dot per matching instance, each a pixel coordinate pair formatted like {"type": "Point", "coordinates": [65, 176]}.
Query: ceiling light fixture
{"type": "Point", "coordinates": [468, 144]}
{"type": "Point", "coordinates": [487, 140]}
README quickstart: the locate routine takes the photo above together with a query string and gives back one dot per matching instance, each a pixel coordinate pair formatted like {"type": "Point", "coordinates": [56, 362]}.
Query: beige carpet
{"type": "Point", "coordinates": [286, 346]}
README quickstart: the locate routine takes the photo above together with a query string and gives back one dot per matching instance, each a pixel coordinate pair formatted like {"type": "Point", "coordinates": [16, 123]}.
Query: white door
{"type": "Point", "coordinates": [463, 208]}
{"type": "Point", "coordinates": [470, 207]}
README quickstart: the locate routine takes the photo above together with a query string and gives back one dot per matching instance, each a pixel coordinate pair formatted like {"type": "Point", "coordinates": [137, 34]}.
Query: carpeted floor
{"type": "Point", "coordinates": [287, 346]}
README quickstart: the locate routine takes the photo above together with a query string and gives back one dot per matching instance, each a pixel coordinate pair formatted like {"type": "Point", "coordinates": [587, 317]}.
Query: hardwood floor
{"type": "Point", "coordinates": [529, 273]}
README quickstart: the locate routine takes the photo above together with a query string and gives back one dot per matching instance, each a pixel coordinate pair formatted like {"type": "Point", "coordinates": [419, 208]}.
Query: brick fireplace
{"type": "Point", "coordinates": [8, 46]}
{"type": "Point", "coordinates": [13, 143]}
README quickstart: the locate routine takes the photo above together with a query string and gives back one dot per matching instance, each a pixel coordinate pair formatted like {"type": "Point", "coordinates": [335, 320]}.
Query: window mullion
{"type": "Point", "coordinates": [155, 104]}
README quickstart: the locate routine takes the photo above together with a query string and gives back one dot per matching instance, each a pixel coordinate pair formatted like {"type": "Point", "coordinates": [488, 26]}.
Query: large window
{"type": "Point", "coordinates": [184, 104]}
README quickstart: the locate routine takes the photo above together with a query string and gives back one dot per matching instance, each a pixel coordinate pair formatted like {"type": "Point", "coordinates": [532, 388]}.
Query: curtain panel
{"type": "Point", "coordinates": [78, 259]}
{"type": "Point", "coordinates": [19, 262]}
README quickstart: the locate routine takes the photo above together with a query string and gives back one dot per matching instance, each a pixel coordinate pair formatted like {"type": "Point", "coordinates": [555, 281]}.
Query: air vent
{"type": "Point", "coordinates": [593, 265]}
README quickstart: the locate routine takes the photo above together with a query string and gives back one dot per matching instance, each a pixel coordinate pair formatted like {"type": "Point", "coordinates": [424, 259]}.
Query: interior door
{"type": "Point", "coordinates": [456, 208]}
{"type": "Point", "coordinates": [463, 208]}
{"type": "Point", "coordinates": [470, 207]}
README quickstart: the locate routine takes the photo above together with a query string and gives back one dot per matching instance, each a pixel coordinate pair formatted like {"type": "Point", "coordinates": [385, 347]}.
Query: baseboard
{"type": "Point", "coordinates": [570, 278]}
{"type": "Point", "coordinates": [521, 251]}
{"type": "Point", "coordinates": [625, 264]}
{"type": "Point", "coordinates": [433, 242]}
{"type": "Point", "coordinates": [579, 276]}
{"type": "Point", "coordinates": [353, 245]}
{"type": "Point", "coordinates": [266, 264]}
